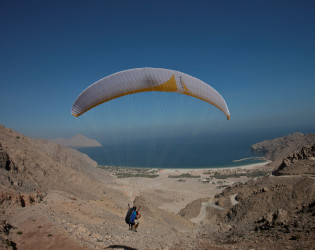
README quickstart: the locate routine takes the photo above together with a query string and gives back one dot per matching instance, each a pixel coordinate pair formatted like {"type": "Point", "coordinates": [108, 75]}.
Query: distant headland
{"type": "Point", "coordinates": [77, 141]}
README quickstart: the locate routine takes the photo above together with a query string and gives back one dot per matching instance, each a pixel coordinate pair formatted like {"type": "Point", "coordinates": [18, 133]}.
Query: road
{"type": "Point", "coordinates": [202, 213]}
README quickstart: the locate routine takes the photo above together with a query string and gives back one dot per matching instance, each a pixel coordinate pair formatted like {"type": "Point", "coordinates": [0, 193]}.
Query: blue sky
{"type": "Point", "coordinates": [260, 55]}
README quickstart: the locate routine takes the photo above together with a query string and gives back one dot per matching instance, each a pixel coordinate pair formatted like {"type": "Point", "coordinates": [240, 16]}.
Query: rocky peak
{"type": "Point", "coordinates": [299, 162]}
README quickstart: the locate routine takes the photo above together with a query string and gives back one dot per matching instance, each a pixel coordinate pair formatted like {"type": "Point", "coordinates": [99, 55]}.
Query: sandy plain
{"type": "Point", "coordinates": [173, 194]}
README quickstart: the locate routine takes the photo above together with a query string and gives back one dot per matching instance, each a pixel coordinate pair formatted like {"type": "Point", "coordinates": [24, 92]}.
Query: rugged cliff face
{"type": "Point", "coordinates": [280, 148]}
{"type": "Point", "coordinates": [57, 197]}
{"type": "Point", "coordinates": [273, 207]}
{"type": "Point", "coordinates": [29, 165]}
{"type": "Point", "coordinates": [42, 188]}
{"type": "Point", "coordinates": [298, 163]}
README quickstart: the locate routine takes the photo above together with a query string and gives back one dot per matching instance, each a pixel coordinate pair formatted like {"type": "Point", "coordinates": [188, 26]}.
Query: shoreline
{"type": "Point", "coordinates": [242, 167]}
{"type": "Point", "coordinates": [250, 158]}
{"type": "Point", "coordinates": [252, 166]}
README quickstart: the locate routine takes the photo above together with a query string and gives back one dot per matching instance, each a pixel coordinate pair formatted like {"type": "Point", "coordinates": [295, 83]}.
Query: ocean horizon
{"type": "Point", "coordinates": [197, 153]}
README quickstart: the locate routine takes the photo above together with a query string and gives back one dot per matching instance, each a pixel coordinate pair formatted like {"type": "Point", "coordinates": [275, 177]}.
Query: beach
{"type": "Point", "coordinates": [236, 168]}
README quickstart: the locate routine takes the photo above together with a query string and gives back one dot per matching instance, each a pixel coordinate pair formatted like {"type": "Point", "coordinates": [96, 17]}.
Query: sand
{"type": "Point", "coordinates": [173, 194]}
{"type": "Point", "coordinates": [200, 170]}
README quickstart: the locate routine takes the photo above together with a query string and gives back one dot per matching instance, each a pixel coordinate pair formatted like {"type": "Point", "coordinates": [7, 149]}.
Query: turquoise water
{"type": "Point", "coordinates": [197, 153]}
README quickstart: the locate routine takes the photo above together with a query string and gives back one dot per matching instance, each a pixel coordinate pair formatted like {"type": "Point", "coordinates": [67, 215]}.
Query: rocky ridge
{"type": "Point", "coordinates": [32, 168]}
{"type": "Point", "coordinates": [279, 148]}
{"type": "Point", "coordinates": [29, 164]}
{"type": "Point", "coordinates": [273, 211]}
{"type": "Point", "coordinates": [300, 162]}
{"type": "Point", "coordinates": [59, 195]}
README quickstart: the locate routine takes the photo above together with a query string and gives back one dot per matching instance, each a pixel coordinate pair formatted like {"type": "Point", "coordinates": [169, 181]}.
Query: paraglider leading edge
{"type": "Point", "coordinates": [144, 80]}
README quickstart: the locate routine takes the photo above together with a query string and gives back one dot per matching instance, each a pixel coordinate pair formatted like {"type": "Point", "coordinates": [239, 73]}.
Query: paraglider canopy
{"type": "Point", "coordinates": [143, 80]}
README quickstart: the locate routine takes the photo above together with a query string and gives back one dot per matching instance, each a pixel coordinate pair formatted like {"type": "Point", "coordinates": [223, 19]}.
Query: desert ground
{"type": "Point", "coordinates": [174, 194]}
{"type": "Point", "coordinates": [65, 221]}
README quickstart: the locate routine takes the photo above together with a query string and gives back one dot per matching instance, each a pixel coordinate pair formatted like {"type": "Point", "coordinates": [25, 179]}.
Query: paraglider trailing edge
{"type": "Point", "coordinates": [143, 80]}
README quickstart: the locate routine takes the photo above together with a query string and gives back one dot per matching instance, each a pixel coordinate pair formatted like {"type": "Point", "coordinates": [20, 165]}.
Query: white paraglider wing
{"type": "Point", "coordinates": [143, 80]}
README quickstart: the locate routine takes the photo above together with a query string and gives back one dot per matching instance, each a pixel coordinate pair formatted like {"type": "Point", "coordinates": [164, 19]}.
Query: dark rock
{"type": "Point", "coordinates": [5, 162]}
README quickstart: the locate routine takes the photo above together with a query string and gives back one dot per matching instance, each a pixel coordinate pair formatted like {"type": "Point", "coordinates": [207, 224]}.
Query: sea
{"type": "Point", "coordinates": [198, 152]}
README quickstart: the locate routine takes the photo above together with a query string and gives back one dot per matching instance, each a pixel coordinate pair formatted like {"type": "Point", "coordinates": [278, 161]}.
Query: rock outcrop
{"type": "Point", "coordinates": [12, 198]}
{"type": "Point", "coordinates": [300, 162]}
{"type": "Point", "coordinates": [5, 242]}
{"type": "Point", "coordinates": [279, 148]}
{"type": "Point", "coordinates": [5, 162]}
{"type": "Point", "coordinates": [272, 207]}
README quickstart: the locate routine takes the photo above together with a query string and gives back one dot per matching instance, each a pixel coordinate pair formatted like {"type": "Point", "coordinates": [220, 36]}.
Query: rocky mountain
{"type": "Point", "coordinates": [276, 211]}
{"type": "Point", "coordinates": [32, 171]}
{"type": "Point", "coordinates": [53, 197]}
{"type": "Point", "coordinates": [77, 141]}
{"type": "Point", "coordinates": [279, 148]}
{"type": "Point", "coordinates": [36, 165]}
